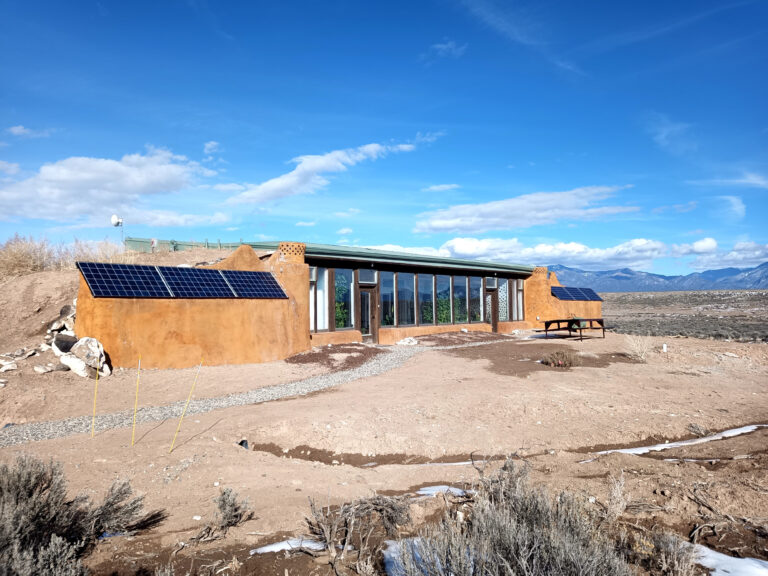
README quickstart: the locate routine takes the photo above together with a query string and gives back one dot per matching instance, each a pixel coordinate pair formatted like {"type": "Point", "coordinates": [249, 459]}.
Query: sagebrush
{"type": "Point", "coordinates": [515, 529]}
{"type": "Point", "coordinates": [638, 347]}
{"type": "Point", "coordinates": [44, 531]}
{"type": "Point", "coordinates": [560, 359]}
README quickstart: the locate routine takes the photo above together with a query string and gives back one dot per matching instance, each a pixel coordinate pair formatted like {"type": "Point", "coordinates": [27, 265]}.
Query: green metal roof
{"type": "Point", "coordinates": [351, 253]}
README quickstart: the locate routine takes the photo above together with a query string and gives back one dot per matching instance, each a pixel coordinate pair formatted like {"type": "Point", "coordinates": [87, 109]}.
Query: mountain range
{"type": "Point", "coordinates": [627, 280]}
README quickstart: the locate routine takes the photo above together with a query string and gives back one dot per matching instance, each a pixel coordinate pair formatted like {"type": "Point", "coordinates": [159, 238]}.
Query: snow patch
{"type": "Point", "coordinates": [290, 544]}
{"type": "Point", "coordinates": [669, 445]}
{"type": "Point", "coordinates": [722, 565]}
{"type": "Point", "coordinates": [441, 489]}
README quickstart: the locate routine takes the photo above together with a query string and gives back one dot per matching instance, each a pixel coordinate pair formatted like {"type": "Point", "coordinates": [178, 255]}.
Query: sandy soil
{"type": "Point", "coordinates": [410, 426]}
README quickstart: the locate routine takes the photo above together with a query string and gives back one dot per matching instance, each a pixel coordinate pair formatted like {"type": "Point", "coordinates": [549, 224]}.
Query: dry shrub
{"type": "Point", "coordinates": [638, 347]}
{"type": "Point", "coordinates": [560, 359]}
{"type": "Point", "coordinates": [231, 512]}
{"type": "Point", "coordinates": [698, 430]}
{"type": "Point", "coordinates": [42, 531]}
{"type": "Point", "coordinates": [617, 503]}
{"type": "Point", "coordinates": [515, 529]}
{"type": "Point", "coordinates": [20, 255]}
{"type": "Point", "coordinates": [673, 556]}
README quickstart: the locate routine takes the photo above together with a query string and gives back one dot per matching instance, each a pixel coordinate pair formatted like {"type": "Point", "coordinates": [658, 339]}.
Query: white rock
{"type": "Point", "coordinates": [76, 365]}
{"type": "Point", "coordinates": [465, 330]}
{"type": "Point", "coordinates": [408, 341]}
{"type": "Point", "coordinates": [90, 351]}
{"type": "Point", "coordinates": [42, 369]}
{"type": "Point", "coordinates": [68, 332]}
{"type": "Point", "coordinates": [8, 367]}
{"type": "Point", "coordinates": [44, 347]}
{"type": "Point", "coordinates": [197, 518]}
{"type": "Point", "coordinates": [3, 382]}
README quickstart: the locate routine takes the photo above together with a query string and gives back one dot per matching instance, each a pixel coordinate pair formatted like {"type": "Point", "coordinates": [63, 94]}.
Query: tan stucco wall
{"type": "Point", "coordinates": [336, 337]}
{"type": "Point", "coordinates": [394, 335]}
{"type": "Point", "coordinates": [176, 333]}
{"type": "Point", "coordinates": [540, 303]}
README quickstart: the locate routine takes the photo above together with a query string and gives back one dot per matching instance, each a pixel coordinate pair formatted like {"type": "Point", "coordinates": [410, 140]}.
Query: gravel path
{"type": "Point", "coordinates": [392, 358]}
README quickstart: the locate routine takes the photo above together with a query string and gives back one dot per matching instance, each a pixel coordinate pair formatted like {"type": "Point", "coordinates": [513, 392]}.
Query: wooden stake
{"type": "Point", "coordinates": [95, 393]}
{"type": "Point", "coordinates": [136, 403]}
{"type": "Point", "coordinates": [185, 406]}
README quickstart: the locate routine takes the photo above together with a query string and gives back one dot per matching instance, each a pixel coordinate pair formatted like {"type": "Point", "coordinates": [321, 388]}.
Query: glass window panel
{"type": "Point", "coordinates": [344, 283]}
{"type": "Point", "coordinates": [365, 313]}
{"type": "Point", "coordinates": [444, 300]}
{"type": "Point", "coordinates": [387, 297]}
{"type": "Point", "coordinates": [459, 299]}
{"type": "Point", "coordinates": [312, 307]}
{"type": "Point", "coordinates": [426, 299]}
{"type": "Point", "coordinates": [322, 298]}
{"type": "Point", "coordinates": [475, 299]}
{"type": "Point", "coordinates": [406, 295]}
{"type": "Point", "coordinates": [520, 301]}
{"type": "Point", "coordinates": [366, 276]}
{"type": "Point", "coordinates": [503, 300]}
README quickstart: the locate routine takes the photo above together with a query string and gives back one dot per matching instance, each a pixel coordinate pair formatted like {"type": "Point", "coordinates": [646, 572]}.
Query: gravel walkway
{"type": "Point", "coordinates": [393, 357]}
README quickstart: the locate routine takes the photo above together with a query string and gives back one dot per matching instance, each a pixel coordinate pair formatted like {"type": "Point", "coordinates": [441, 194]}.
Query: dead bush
{"type": "Point", "coordinates": [672, 556]}
{"type": "Point", "coordinates": [617, 502]}
{"type": "Point", "coordinates": [638, 347]}
{"type": "Point", "coordinates": [514, 529]}
{"type": "Point", "coordinates": [21, 255]}
{"type": "Point", "coordinates": [41, 528]}
{"type": "Point", "coordinates": [231, 512]}
{"type": "Point", "coordinates": [698, 430]}
{"type": "Point", "coordinates": [560, 359]}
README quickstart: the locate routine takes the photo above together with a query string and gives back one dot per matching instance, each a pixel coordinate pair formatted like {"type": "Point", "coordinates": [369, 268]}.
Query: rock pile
{"type": "Point", "coordinates": [82, 356]}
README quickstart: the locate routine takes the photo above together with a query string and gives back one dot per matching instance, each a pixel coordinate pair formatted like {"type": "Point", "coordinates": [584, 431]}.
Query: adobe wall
{"type": "Point", "coordinates": [336, 337]}
{"type": "Point", "coordinates": [540, 305]}
{"type": "Point", "coordinates": [393, 335]}
{"type": "Point", "coordinates": [177, 333]}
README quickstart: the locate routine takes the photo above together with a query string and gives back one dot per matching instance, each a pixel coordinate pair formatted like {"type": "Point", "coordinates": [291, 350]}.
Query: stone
{"type": "Point", "coordinates": [69, 324]}
{"type": "Point", "coordinates": [8, 367]}
{"type": "Point", "coordinates": [67, 311]}
{"type": "Point", "coordinates": [44, 347]}
{"type": "Point", "coordinates": [28, 354]}
{"type": "Point", "coordinates": [42, 369]}
{"type": "Point", "coordinates": [62, 343]}
{"type": "Point", "coordinates": [60, 368]}
{"type": "Point", "coordinates": [91, 353]}
{"type": "Point", "coordinates": [19, 353]}
{"type": "Point", "coordinates": [68, 332]}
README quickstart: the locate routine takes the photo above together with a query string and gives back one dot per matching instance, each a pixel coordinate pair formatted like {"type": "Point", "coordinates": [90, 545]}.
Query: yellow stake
{"type": "Point", "coordinates": [136, 402]}
{"type": "Point", "coordinates": [185, 406]}
{"type": "Point", "coordinates": [95, 393]}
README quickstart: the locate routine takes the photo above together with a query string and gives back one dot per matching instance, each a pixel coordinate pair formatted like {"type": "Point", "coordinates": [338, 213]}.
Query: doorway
{"type": "Point", "coordinates": [369, 317]}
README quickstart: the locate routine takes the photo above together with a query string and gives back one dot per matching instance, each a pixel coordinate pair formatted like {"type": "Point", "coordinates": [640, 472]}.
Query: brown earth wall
{"type": "Point", "coordinates": [539, 302]}
{"type": "Point", "coordinates": [177, 333]}
{"type": "Point", "coordinates": [337, 337]}
{"type": "Point", "coordinates": [393, 335]}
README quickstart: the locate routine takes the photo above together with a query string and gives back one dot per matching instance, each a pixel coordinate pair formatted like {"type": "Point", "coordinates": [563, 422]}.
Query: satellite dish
{"type": "Point", "coordinates": [116, 220]}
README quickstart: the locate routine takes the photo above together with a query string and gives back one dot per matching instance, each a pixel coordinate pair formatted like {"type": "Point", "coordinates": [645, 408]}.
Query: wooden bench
{"type": "Point", "coordinates": [574, 324]}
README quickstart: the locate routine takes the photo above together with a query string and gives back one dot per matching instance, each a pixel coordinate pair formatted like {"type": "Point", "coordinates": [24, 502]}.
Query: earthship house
{"type": "Point", "coordinates": [287, 297]}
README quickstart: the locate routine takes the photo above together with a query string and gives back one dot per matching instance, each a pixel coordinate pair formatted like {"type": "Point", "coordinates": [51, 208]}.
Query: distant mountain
{"type": "Point", "coordinates": [627, 280]}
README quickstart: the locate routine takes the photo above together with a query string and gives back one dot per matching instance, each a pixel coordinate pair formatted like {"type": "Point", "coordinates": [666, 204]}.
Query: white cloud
{"type": "Point", "coordinates": [524, 211]}
{"type": "Point", "coordinates": [210, 147]}
{"type": "Point", "coordinates": [742, 255]}
{"type": "Point", "coordinates": [23, 131]}
{"type": "Point", "coordinates": [305, 224]}
{"type": "Point", "coordinates": [8, 168]}
{"type": "Point", "coordinates": [84, 191]}
{"type": "Point", "coordinates": [309, 174]}
{"type": "Point", "coordinates": [231, 187]}
{"type": "Point", "coordinates": [445, 49]}
{"type": "Point", "coordinates": [703, 246]}
{"type": "Point", "coordinates": [440, 187]}
{"type": "Point", "coordinates": [673, 137]}
{"type": "Point", "coordinates": [347, 213]}
{"type": "Point", "coordinates": [231, 228]}
{"type": "Point", "coordinates": [420, 250]}
{"type": "Point", "coordinates": [344, 231]}
{"type": "Point", "coordinates": [734, 207]}
{"type": "Point", "coordinates": [747, 179]}
{"type": "Point", "coordinates": [679, 208]}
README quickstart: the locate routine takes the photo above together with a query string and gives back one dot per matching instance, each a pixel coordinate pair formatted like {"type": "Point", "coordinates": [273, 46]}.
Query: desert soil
{"type": "Point", "coordinates": [413, 425]}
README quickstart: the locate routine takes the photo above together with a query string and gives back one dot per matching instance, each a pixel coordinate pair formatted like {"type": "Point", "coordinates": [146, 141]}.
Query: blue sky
{"type": "Point", "coordinates": [628, 134]}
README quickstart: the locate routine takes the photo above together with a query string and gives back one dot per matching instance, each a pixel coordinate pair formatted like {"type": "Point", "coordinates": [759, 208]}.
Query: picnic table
{"type": "Point", "coordinates": [574, 324]}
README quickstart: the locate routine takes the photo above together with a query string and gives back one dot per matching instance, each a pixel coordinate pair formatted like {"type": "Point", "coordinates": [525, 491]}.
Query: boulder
{"type": "Point", "coordinates": [42, 369]}
{"type": "Point", "coordinates": [85, 357]}
{"type": "Point", "coordinates": [67, 311]}
{"type": "Point", "coordinates": [62, 343]}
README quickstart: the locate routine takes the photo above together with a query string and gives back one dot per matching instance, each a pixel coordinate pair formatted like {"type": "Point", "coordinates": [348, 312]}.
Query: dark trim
{"type": "Point", "coordinates": [415, 268]}
{"type": "Point", "coordinates": [331, 300]}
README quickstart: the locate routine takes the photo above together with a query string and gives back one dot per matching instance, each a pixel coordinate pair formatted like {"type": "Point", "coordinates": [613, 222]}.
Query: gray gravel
{"type": "Point", "coordinates": [391, 358]}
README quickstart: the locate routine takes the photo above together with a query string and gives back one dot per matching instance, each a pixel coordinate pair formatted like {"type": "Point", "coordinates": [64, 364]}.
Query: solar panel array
{"type": "Point", "coordinates": [133, 281]}
{"type": "Point", "coordinates": [580, 294]}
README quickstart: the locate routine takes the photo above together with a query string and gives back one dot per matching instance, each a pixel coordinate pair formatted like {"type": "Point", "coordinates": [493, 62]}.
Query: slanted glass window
{"type": "Point", "coordinates": [459, 299]}
{"type": "Point", "coordinates": [503, 300]}
{"type": "Point", "coordinates": [444, 300]}
{"type": "Point", "coordinates": [475, 299]}
{"type": "Point", "coordinates": [321, 288]}
{"type": "Point", "coordinates": [366, 276]}
{"type": "Point", "coordinates": [344, 284]}
{"type": "Point", "coordinates": [406, 298]}
{"type": "Point", "coordinates": [387, 298]}
{"type": "Point", "coordinates": [426, 299]}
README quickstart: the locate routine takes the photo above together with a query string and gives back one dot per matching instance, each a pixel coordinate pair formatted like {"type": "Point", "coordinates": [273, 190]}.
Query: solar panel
{"type": "Point", "coordinates": [123, 280]}
{"type": "Point", "coordinates": [253, 284]}
{"type": "Point", "coordinates": [195, 282]}
{"type": "Point", "coordinates": [575, 294]}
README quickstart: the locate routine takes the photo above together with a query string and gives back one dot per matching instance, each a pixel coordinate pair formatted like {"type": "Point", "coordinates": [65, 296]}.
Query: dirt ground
{"type": "Point", "coordinates": [416, 425]}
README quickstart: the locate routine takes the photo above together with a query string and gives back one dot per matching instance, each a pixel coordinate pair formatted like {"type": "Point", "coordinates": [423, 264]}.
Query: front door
{"type": "Point", "coordinates": [369, 323]}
